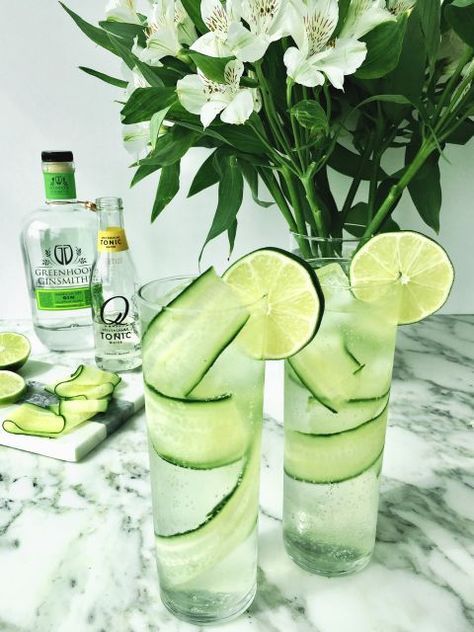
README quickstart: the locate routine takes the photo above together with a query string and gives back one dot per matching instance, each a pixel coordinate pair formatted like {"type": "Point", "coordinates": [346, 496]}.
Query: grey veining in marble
{"type": "Point", "coordinates": [76, 540]}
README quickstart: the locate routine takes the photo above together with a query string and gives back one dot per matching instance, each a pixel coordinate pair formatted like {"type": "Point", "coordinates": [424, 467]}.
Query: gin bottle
{"type": "Point", "coordinates": [58, 245]}
{"type": "Point", "coordinates": [113, 284]}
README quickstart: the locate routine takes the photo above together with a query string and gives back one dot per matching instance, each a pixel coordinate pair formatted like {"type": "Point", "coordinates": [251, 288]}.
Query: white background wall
{"type": "Point", "coordinates": [47, 103]}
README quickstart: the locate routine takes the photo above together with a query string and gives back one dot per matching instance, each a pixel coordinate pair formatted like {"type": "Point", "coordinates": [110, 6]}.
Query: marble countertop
{"type": "Point", "coordinates": [76, 540]}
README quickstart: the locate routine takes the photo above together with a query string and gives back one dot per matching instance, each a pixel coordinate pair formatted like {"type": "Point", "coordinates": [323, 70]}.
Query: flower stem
{"type": "Point", "coordinates": [277, 194]}
{"type": "Point", "coordinates": [397, 189]}
{"type": "Point", "coordinates": [294, 129]}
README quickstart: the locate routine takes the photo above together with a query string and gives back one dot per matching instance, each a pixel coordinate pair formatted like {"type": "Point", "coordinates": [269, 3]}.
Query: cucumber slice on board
{"type": "Point", "coordinates": [88, 382]}
{"type": "Point", "coordinates": [183, 342]}
{"type": "Point", "coordinates": [31, 419]}
{"type": "Point", "coordinates": [193, 433]}
{"type": "Point", "coordinates": [337, 457]}
{"type": "Point", "coordinates": [183, 557]}
{"type": "Point", "coordinates": [76, 411]}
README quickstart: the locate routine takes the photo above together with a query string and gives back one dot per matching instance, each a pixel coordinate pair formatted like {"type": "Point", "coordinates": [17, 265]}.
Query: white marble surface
{"type": "Point", "coordinates": [76, 540]}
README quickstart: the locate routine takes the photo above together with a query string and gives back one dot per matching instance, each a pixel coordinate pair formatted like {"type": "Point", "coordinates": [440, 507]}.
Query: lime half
{"type": "Point", "coordinates": [12, 387]}
{"type": "Point", "coordinates": [14, 350]}
{"type": "Point", "coordinates": [419, 264]}
{"type": "Point", "coordinates": [291, 307]}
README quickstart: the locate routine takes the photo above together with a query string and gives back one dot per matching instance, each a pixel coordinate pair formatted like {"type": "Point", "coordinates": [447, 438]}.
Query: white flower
{"type": "Point", "coordinates": [122, 11]}
{"type": "Point", "coordinates": [317, 56]}
{"type": "Point", "coordinates": [227, 35]}
{"type": "Point", "coordinates": [136, 137]}
{"type": "Point", "coordinates": [200, 95]}
{"type": "Point", "coordinates": [363, 16]}
{"type": "Point", "coordinates": [169, 27]}
{"type": "Point", "coordinates": [397, 7]}
{"type": "Point", "coordinates": [217, 19]}
{"type": "Point", "coordinates": [267, 21]}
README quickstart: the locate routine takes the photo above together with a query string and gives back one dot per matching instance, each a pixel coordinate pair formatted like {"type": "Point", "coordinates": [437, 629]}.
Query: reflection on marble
{"type": "Point", "coordinates": [76, 540]}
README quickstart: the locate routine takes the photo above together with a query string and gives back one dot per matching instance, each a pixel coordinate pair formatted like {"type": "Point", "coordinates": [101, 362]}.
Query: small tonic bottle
{"type": "Point", "coordinates": [114, 285]}
{"type": "Point", "coordinates": [58, 246]}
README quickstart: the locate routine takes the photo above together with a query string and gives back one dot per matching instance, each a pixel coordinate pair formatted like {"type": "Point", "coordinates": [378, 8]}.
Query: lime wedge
{"type": "Point", "coordinates": [291, 307]}
{"type": "Point", "coordinates": [420, 266]}
{"type": "Point", "coordinates": [12, 387]}
{"type": "Point", "coordinates": [14, 350]}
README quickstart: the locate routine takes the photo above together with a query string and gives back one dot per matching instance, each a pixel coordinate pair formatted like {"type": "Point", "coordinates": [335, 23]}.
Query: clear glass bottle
{"type": "Point", "coordinates": [114, 286]}
{"type": "Point", "coordinates": [58, 245]}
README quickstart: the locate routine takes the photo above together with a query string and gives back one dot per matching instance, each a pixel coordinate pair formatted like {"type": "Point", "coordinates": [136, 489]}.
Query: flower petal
{"type": "Point", "coordinates": [191, 93]}
{"type": "Point", "coordinates": [136, 137]}
{"type": "Point", "coordinates": [211, 44]}
{"type": "Point", "coordinates": [210, 110]}
{"type": "Point", "coordinates": [363, 16]}
{"type": "Point", "coordinates": [161, 43]}
{"type": "Point", "coordinates": [245, 45]}
{"type": "Point", "coordinates": [239, 109]}
{"type": "Point", "coordinates": [122, 11]}
{"type": "Point", "coordinates": [301, 70]}
{"type": "Point", "coordinates": [343, 59]}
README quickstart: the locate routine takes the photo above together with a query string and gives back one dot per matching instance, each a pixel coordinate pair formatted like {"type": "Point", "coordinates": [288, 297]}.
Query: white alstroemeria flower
{"type": "Point", "coordinates": [169, 26]}
{"type": "Point", "coordinates": [397, 7]}
{"type": "Point", "coordinates": [317, 56]}
{"type": "Point", "coordinates": [200, 95]}
{"type": "Point", "coordinates": [217, 18]}
{"type": "Point", "coordinates": [363, 16]}
{"type": "Point", "coordinates": [122, 11]}
{"type": "Point", "coordinates": [136, 137]}
{"type": "Point", "coordinates": [267, 21]}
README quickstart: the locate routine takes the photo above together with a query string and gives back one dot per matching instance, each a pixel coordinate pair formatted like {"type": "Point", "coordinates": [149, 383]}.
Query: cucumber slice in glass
{"type": "Point", "coordinates": [337, 457]}
{"type": "Point", "coordinates": [185, 338]}
{"type": "Point", "coordinates": [194, 433]}
{"type": "Point", "coordinates": [185, 556]}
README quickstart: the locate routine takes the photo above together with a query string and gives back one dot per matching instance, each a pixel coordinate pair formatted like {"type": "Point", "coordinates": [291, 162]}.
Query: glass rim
{"type": "Point", "coordinates": [164, 304]}
{"type": "Point", "coordinates": [330, 239]}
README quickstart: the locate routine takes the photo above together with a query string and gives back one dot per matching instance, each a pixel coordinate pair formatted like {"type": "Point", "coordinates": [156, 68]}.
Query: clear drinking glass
{"type": "Point", "coordinates": [336, 403]}
{"type": "Point", "coordinates": [204, 462]}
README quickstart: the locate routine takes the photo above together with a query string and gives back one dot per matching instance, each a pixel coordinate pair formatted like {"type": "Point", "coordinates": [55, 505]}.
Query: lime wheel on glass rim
{"type": "Point", "coordinates": [417, 263]}
{"type": "Point", "coordinates": [287, 302]}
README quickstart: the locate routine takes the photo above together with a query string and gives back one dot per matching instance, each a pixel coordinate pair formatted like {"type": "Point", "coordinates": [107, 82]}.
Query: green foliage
{"type": "Point", "coordinates": [412, 95]}
{"type": "Point", "coordinates": [168, 187]}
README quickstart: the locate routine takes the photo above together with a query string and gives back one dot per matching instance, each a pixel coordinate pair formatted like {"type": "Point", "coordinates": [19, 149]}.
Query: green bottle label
{"type": "Point", "coordinates": [60, 186]}
{"type": "Point", "coordinates": [62, 299]}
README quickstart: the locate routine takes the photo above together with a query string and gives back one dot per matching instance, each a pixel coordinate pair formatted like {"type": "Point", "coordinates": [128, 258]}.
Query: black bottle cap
{"type": "Point", "coordinates": [57, 156]}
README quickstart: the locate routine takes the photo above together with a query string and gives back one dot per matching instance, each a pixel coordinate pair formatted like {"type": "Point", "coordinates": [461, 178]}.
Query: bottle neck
{"type": "Point", "coordinates": [111, 237]}
{"type": "Point", "coordinates": [59, 182]}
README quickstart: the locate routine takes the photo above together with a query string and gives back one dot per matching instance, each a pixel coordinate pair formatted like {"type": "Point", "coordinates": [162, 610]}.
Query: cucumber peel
{"type": "Point", "coordinates": [86, 381]}
{"type": "Point", "coordinates": [336, 457]}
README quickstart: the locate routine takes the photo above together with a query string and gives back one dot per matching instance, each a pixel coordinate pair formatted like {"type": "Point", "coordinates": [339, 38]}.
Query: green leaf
{"type": "Point", "coordinates": [358, 218]}
{"type": "Point", "coordinates": [430, 20]}
{"type": "Point", "coordinates": [168, 187]}
{"type": "Point", "coordinates": [251, 177]}
{"type": "Point", "coordinates": [348, 163]}
{"type": "Point", "coordinates": [460, 15]}
{"type": "Point", "coordinates": [155, 125]}
{"type": "Point", "coordinates": [231, 233]}
{"type": "Point", "coordinates": [311, 115]}
{"type": "Point", "coordinates": [125, 31]}
{"type": "Point", "coordinates": [462, 134]}
{"type": "Point", "coordinates": [212, 67]}
{"type": "Point", "coordinates": [144, 102]}
{"type": "Point", "coordinates": [205, 177]}
{"type": "Point", "coordinates": [150, 74]}
{"type": "Point", "coordinates": [240, 136]}
{"type": "Point", "coordinates": [114, 81]}
{"type": "Point", "coordinates": [384, 45]}
{"type": "Point", "coordinates": [193, 9]}
{"type": "Point", "coordinates": [231, 188]}
{"type": "Point", "coordinates": [97, 35]}
{"type": "Point", "coordinates": [143, 172]}
{"type": "Point", "coordinates": [171, 147]}
{"type": "Point", "coordinates": [425, 188]}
